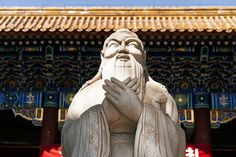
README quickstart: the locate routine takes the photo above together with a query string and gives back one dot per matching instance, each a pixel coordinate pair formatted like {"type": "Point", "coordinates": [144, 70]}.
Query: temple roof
{"type": "Point", "coordinates": [189, 19]}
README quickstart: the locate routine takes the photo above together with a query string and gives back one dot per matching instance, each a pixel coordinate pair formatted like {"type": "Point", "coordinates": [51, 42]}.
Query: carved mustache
{"type": "Point", "coordinates": [123, 56]}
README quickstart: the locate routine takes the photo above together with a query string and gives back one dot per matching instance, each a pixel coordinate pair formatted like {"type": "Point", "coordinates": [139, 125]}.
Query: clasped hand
{"type": "Point", "coordinates": [123, 95]}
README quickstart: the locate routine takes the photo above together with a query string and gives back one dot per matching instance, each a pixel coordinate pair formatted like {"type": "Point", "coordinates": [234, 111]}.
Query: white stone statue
{"type": "Point", "coordinates": [122, 112]}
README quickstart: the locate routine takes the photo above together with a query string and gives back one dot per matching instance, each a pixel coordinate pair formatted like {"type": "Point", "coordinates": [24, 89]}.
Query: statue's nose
{"type": "Point", "coordinates": [123, 48]}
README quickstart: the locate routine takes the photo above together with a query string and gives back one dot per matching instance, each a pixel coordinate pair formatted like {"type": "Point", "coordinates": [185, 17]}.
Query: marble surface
{"type": "Point", "coordinates": [122, 111]}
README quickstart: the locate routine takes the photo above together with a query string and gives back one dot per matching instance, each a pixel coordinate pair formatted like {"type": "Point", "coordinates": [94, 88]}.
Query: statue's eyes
{"type": "Point", "coordinates": [133, 44]}
{"type": "Point", "coordinates": [112, 44]}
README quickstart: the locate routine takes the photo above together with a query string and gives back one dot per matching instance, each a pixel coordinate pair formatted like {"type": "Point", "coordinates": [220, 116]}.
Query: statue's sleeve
{"type": "Point", "coordinates": [85, 99]}
{"type": "Point", "coordinates": [171, 108]}
{"type": "Point", "coordinates": [86, 136]}
{"type": "Point", "coordinates": [158, 135]}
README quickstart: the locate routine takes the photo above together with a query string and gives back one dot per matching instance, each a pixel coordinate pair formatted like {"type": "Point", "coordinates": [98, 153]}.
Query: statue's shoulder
{"type": "Point", "coordinates": [86, 98]}
{"type": "Point", "coordinates": [155, 87]}
{"type": "Point", "coordinates": [155, 92]}
{"type": "Point", "coordinates": [90, 87]}
{"type": "Point", "coordinates": [88, 94]}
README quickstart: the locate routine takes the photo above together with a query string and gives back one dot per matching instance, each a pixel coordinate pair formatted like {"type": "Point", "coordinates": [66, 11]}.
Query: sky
{"type": "Point", "coordinates": [118, 3]}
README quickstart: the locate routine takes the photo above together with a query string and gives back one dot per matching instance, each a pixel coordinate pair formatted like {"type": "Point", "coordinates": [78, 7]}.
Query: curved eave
{"type": "Point", "coordinates": [200, 19]}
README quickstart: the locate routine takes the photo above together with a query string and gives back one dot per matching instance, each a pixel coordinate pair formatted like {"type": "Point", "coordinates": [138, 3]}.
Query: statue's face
{"type": "Point", "coordinates": [122, 56]}
{"type": "Point", "coordinates": [123, 44]}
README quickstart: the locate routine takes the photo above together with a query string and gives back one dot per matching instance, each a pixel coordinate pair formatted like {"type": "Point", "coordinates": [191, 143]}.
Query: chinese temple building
{"type": "Point", "coordinates": [46, 54]}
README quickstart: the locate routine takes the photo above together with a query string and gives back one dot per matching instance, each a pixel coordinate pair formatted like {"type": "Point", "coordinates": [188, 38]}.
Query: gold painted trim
{"type": "Point", "coordinates": [192, 116]}
{"type": "Point", "coordinates": [22, 115]}
{"type": "Point", "coordinates": [110, 19]}
{"type": "Point", "coordinates": [60, 119]}
{"type": "Point", "coordinates": [37, 110]}
{"type": "Point", "coordinates": [118, 11]}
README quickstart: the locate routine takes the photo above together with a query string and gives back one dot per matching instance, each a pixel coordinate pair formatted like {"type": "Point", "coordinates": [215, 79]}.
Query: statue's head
{"type": "Point", "coordinates": [122, 55]}
{"type": "Point", "coordinates": [123, 41]}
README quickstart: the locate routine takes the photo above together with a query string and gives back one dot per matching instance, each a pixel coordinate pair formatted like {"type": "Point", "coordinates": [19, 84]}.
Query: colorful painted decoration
{"type": "Point", "coordinates": [49, 71]}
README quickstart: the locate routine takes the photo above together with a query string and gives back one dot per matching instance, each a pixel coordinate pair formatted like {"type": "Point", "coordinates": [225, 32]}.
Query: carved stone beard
{"type": "Point", "coordinates": [122, 69]}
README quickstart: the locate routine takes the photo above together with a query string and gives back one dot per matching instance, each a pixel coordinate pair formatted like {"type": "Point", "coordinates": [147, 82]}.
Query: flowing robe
{"type": "Point", "coordinates": [157, 134]}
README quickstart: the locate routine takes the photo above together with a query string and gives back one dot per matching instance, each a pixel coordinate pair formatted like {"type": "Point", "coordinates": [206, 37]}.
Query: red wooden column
{"type": "Point", "coordinates": [202, 125]}
{"type": "Point", "coordinates": [49, 126]}
{"type": "Point", "coordinates": [50, 119]}
{"type": "Point", "coordinates": [202, 131]}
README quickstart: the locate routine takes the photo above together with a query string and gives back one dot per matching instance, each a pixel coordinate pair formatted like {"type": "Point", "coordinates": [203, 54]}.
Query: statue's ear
{"type": "Point", "coordinates": [102, 55]}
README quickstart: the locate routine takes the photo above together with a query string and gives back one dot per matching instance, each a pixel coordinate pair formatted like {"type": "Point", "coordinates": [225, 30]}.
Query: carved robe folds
{"type": "Point", "coordinates": [157, 133]}
{"type": "Point", "coordinates": [121, 111]}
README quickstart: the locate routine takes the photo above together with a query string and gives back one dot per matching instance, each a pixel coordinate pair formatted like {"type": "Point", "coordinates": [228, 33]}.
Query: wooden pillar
{"type": "Point", "coordinates": [202, 131]}
{"type": "Point", "coordinates": [50, 118]}
{"type": "Point", "coordinates": [49, 126]}
{"type": "Point", "coordinates": [202, 125]}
